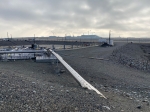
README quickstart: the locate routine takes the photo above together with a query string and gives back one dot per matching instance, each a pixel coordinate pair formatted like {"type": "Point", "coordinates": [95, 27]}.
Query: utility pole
{"type": "Point", "coordinates": [109, 36]}
{"type": "Point", "coordinates": [34, 38]}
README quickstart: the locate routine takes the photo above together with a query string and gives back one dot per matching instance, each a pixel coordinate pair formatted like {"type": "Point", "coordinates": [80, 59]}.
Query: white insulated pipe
{"type": "Point", "coordinates": [81, 80]}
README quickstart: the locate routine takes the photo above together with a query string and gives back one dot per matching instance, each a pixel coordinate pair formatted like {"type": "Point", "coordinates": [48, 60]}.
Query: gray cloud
{"type": "Point", "coordinates": [24, 18]}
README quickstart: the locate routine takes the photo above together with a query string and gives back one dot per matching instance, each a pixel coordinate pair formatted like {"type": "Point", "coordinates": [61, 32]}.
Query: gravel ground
{"type": "Point", "coordinates": [25, 90]}
{"type": "Point", "coordinates": [37, 87]}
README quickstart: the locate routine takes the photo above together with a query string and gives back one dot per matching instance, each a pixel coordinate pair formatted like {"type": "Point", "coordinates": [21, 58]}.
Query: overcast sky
{"type": "Point", "coordinates": [125, 18]}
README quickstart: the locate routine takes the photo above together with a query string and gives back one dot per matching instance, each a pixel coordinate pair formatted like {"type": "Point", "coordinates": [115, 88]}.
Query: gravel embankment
{"type": "Point", "coordinates": [132, 55]}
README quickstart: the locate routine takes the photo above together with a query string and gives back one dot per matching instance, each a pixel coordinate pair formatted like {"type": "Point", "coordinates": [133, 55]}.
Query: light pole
{"type": "Point", "coordinates": [65, 36]}
{"type": "Point", "coordinates": [109, 36]}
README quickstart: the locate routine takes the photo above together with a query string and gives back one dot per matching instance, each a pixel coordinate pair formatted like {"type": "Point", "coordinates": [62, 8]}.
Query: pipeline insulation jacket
{"type": "Point", "coordinates": [80, 79]}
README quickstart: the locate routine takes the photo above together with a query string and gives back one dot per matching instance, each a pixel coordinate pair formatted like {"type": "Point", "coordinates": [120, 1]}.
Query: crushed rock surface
{"type": "Point", "coordinates": [30, 86]}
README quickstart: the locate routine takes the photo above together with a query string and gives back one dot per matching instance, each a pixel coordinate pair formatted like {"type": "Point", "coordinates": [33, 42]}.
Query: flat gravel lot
{"type": "Point", "coordinates": [30, 86]}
